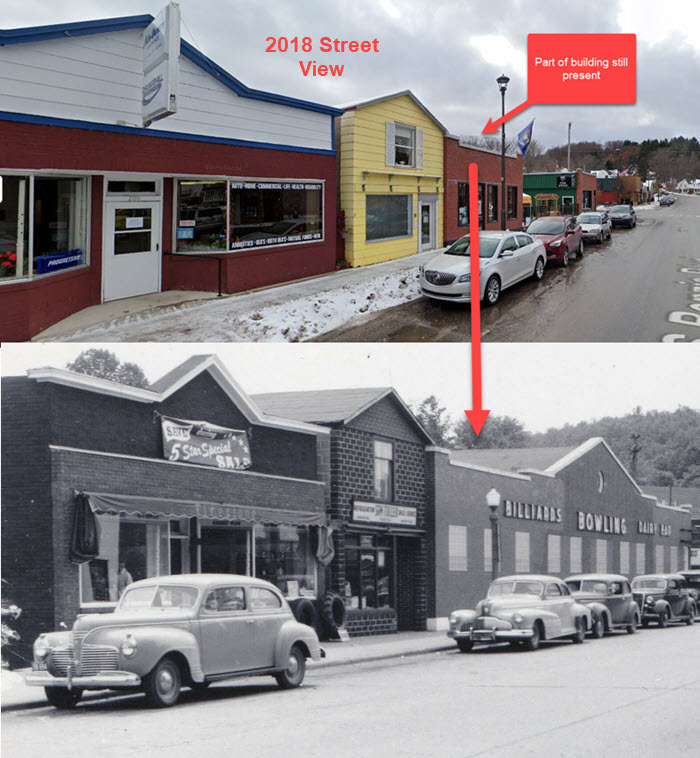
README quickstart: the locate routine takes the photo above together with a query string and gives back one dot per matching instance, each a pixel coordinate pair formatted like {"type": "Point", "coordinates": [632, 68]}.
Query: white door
{"type": "Point", "coordinates": [132, 233]}
{"type": "Point", "coordinates": [427, 228]}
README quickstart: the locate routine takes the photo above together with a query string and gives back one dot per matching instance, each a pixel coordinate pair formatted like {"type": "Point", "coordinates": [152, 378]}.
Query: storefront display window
{"type": "Point", "coordinates": [388, 216]}
{"type": "Point", "coordinates": [512, 202]}
{"type": "Point", "coordinates": [283, 557]}
{"type": "Point", "coordinates": [14, 198]}
{"type": "Point", "coordinates": [492, 202]}
{"type": "Point", "coordinates": [368, 561]}
{"type": "Point", "coordinates": [128, 551]}
{"type": "Point", "coordinates": [462, 204]}
{"type": "Point", "coordinates": [274, 213]}
{"type": "Point", "coordinates": [201, 222]}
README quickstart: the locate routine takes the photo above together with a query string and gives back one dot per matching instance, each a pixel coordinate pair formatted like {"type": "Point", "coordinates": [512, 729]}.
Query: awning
{"type": "Point", "coordinates": [392, 531]}
{"type": "Point", "coordinates": [134, 505]}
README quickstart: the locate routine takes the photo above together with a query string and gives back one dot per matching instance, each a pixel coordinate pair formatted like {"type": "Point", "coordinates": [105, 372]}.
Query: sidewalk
{"type": "Point", "coordinates": [282, 313]}
{"type": "Point", "coordinates": [16, 695]}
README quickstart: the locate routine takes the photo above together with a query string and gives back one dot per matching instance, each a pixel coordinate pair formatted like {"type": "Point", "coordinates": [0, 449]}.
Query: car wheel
{"type": "Point", "coordinates": [465, 646]}
{"type": "Point", "coordinates": [691, 618]}
{"type": "Point", "coordinates": [293, 675]}
{"type": "Point", "coordinates": [610, 233]}
{"type": "Point", "coordinates": [493, 291]}
{"type": "Point", "coordinates": [538, 273]}
{"type": "Point", "coordinates": [532, 643]}
{"type": "Point", "coordinates": [579, 252]}
{"type": "Point", "coordinates": [60, 697]}
{"type": "Point", "coordinates": [162, 685]}
{"type": "Point", "coordinates": [598, 628]}
{"type": "Point", "coordinates": [663, 619]}
{"type": "Point", "coordinates": [645, 624]}
{"type": "Point", "coordinates": [580, 634]}
{"type": "Point", "coordinates": [632, 626]}
{"type": "Point", "coordinates": [565, 258]}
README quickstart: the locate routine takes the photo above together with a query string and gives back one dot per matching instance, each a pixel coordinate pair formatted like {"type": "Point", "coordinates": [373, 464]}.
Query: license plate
{"type": "Point", "coordinates": [483, 634]}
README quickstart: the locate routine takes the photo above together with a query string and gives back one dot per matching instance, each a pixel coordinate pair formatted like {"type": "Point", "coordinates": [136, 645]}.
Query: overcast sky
{"type": "Point", "coordinates": [449, 52]}
{"type": "Point", "coordinates": [541, 385]}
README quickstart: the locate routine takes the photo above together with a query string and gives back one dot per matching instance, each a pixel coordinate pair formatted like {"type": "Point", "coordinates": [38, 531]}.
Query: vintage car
{"type": "Point", "coordinates": [692, 578]}
{"type": "Point", "coordinates": [663, 598]}
{"type": "Point", "coordinates": [166, 632]}
{"type": "Point", "coordinates": [523, 610]}
{"type": "Point", "coordinates": [609, 596]}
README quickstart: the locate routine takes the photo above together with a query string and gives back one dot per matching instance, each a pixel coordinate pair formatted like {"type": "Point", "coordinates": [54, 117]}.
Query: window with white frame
{"type": "Point", "coordinates": [384, 470]}
{"type": "Point", "coordinates": [674, 559]}
{"type": "Point", "coordinates": [404, 145]}
{"type": "Point", "coordinates": [388, 217]}
{"type": "Point", "coordinates": [641, 558]}
{"type": "Point", "coordinates": [488, 555]}
{"type": "Point", "coordinates": [575, 554]}
{"type": "Point", "coordinates": [659, 559]}
{"type": "Point", "coordinates": [457, 548]}
{"type": "Point", "coordinates": [625, 558]}
{"type": "Point", "coordinates": [553, 553]}
{"type": "Point", "coordinates": [601, 556]}
{"type": "Point", "coordinates": [522, 552]}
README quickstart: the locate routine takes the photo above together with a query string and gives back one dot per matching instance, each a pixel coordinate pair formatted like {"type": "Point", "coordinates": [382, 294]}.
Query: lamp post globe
{"type": "Point", "coordinates": [503, 86]}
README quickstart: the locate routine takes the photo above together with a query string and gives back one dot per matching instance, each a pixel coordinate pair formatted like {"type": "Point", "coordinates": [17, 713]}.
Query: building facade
{"type": "Point", "coordinates": [561, 193]}
{"type": "Point", "coordinates": [105, 483]}
{"type": "Point", "coordinates": [233, 191]}
{"type": "Point", "coordinates": [625, 189]}
{"type": "Point", "coordinates": [377, 505]}
{"type": "Point", "coordinates": [458, 156]}
{"type": "Point", "coordinates": [390, 159]}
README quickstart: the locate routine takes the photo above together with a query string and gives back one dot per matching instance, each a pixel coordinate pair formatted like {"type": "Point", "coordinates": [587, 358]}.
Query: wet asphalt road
{"type": "Point", "coordinates": [639, 287]}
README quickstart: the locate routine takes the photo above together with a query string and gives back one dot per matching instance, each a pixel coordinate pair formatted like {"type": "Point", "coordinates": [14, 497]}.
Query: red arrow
{"type": "Point", "coordinates": [492, 126]}
{"type": "Point", "coordinates": [477, 416]}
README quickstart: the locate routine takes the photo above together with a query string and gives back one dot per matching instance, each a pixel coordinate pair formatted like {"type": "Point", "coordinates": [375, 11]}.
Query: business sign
{"type": "Point", "coordinates": [382, 513]}
{"type": "Point", "coordinates": [204, 443]}
{"type": "Point", "coordinates": [531, 512]}
{"type": "Point", "coordinates": [598, 522]}
{"type": "Point", "coordinates": [161, 62]}
{"type": "Point", "coordinates": [651, 527]}
{"type": "Point", "coordinates": [57, 261]}
{"type": "Point", "coordinates": [566, 180]}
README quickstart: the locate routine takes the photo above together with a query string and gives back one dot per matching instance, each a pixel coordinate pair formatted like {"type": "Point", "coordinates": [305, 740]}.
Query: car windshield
{"type": "Point", "coordinates": [487, 246]}
{"type": "Point", "coordinates": [648, 583]}
{"type": "Point", "coordinates": [517, 587]}
{"type": "Point", "coordinates": [589, 218]}
{"type": "Point", "coordinates": [158, 596]}
{"type": "Point", "coordinates": [546, 226]}
{"type": "Point", "coordinates": [620, 209]}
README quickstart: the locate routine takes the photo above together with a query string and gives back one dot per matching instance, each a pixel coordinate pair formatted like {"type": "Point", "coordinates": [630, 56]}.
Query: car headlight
{"type": "Point", "coordinates": [597, 228]}
{"type": "Point", "coordinates": [465, 278]}
{"type": "Point", "coordinates": [557, 243]}
{"type": "Point", "coordinates": [649, 600]}
{"type": "Point", "coordinates": [128, 646]}
{"type": "Point", "coordinates": [517, 618]}
{"type": "Point", "coordinates": [41, 648]}
{"type": "Point", "coordinates": [453, 618]}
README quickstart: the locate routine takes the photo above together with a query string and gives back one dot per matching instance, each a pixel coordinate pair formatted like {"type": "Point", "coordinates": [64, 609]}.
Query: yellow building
{"type": "Point", "coordinates": [390, 153]}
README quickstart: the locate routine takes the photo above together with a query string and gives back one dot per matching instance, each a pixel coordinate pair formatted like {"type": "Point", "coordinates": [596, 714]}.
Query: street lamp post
{"type": "Point", "coordinates": [493, 500]}
{"type": "Point", "coordinates": [503, 86]}
{"type": "Point", "coordinates": [619, 180]}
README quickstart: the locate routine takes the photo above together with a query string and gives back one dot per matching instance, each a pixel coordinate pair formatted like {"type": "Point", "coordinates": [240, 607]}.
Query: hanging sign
{"type": "Point", "coordinates": [204, 443]}
{"type": "Point", "coordinates": [161, 63]}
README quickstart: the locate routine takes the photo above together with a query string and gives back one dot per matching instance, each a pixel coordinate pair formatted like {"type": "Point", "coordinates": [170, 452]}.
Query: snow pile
{"type": "Point", "coordinates": [230, 320]}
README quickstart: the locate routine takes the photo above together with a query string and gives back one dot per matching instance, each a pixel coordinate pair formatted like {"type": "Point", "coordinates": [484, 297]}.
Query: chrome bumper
{"type": "Point", "coordinates": [105, 680]}
{"type": "Point", "coordinates": [491, 635]}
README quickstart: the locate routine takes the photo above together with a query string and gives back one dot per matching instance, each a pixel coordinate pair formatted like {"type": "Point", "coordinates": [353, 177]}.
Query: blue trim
{"type": "Point", "coordinates": [77, 29]}
{"type": "Point", "coordinates": [95, 127]}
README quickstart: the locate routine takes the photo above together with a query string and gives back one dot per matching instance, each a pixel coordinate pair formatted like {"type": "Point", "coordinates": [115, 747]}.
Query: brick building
{"type": "Point", "coordinates": [100, 199]}
{"type": "Point", "coordinates": [377, 504]}
{"type": "Point", "coordinates": [85, 456]}
{"type": "Point", "coordinates": [561, 511]}
{"type": "Point", "coordinates": [458, 156]}
{"type": "Point", "coordinates": [562, 192]}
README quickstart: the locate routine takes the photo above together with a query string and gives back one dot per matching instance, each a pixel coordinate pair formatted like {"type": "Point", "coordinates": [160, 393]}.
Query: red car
{"type": "Point", "coordinates": [562, 237]}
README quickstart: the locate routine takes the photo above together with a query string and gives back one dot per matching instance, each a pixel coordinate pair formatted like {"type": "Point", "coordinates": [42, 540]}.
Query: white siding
{"type": "Point", "coordinates": [457, 548]}
{"type": "Point", "coordinates": [601, 556]}
{"type": "Point", "coordinates": [522, 552]}
{"type": "Point", "coordinates": [625, 558]}
{"type": "Point", "coordinates": [98, 78]}
{"type": "Point", "coordinates": [553, 554]}
{"type": "Point", "coordinates": [575, 550]}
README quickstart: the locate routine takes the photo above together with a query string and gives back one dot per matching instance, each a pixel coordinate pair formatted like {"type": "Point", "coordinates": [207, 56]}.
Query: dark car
{"type": "Point", "coordinates": [692, 578]}
{"type": "Point", "coordinates": [663, 598]}
{"type": "Point", "coordinates": [609, 596]}
{"type": "Point", "coordinates": [666, 200]}
{"type": "Point", "coordinates": [623, 215]}
{"type": "Point", "coordinates": [562, 237]}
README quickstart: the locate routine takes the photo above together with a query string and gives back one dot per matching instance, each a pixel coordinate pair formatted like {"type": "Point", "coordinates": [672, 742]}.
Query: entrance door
{"type": "Point", "coordinates": [428, 224]}
{"type": "Point", "coordinates": [131, 249]}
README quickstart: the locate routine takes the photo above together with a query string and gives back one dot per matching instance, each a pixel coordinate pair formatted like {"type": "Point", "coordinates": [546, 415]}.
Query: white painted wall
{"type": "Point", "coordinates": [98, 78]}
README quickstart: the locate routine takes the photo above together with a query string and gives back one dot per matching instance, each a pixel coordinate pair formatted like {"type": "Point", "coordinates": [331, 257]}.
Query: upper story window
{"type": "Point", "coordinates": [383, 470]}
{"type": "Point", "coordinates": [404, 145]}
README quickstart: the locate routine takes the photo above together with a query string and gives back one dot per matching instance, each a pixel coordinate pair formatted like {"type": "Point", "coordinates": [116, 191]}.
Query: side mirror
{"type": "Point", "coordinates": [506, 254]}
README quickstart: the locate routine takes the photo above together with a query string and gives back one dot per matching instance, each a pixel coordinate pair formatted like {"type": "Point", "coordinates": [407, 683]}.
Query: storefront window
{"type": "Point", "coordinates": [462, 204]}
{"type": "Point", "coordinates": [128, 551]}
{"type": "Point", "coordinates": [388, 216]}
{"type": "Point", "coordinates": [512, 202]}
{"type": "Point", "coordinates": [368, 572]}
{"type": "Point", "coordinates": [492, 202]}
{"type": "Point", "coordinates": [283, 557]}
{"type": "Point", "coordinates": [384, 470]}
{"type": "Point", "coordinates": [201, 223]}
{"type": "Point", "coordinates": [274, 213]}
{"type": "Point", "coordinates": [14, 197]}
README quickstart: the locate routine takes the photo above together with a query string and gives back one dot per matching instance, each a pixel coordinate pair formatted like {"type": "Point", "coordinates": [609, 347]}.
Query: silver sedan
{"type": "Point", "coordinates": [595, 225]}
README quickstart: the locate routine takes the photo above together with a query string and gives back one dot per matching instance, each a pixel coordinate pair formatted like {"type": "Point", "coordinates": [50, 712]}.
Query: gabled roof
{"type": "Point", "coordinates": [102, 26]}
{"type": "Point", "coordinates": [171, 383]}
{"type": "Point", "coordinates": [393, 96]}
{"type": "Point", "coordinates": [330, 406]}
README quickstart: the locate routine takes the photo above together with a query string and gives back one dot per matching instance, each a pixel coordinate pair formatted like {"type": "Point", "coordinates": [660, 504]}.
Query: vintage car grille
{"type": "Point", "coordinates": [93, 659]}
{"type": "Point", "coordinates": [438, 277]}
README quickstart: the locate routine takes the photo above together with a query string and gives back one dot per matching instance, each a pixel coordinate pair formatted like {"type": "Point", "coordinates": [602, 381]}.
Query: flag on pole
{"type": "Point", "coordinates": [525, 137]}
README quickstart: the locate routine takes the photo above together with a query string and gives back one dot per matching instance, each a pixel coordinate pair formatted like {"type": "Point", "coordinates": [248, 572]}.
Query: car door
{"type": "Point", "coordinates": [226, 631]}
{"type": "Point", "coordinates": [570, 235]}
{"type": "Point", "coordinates": [269, 612]}
{"type": "Point", "coordinates": [508, 261]}
{"type": "Point", "coordinates": [556, 603]}
{"type": "Point", "coordinates": [675, 596]}
{"type": "Point", "coordinates": [527, 248]}
{"type": "Point", "coordinates": [617, 602]}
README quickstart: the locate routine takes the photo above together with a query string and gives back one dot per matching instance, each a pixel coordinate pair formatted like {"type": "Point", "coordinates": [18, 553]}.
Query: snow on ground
{"type": "Point", "coordinates": [295, 320]}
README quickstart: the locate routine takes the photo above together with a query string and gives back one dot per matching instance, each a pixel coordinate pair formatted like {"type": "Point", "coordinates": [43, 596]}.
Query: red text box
{"type": "Point", "coordinates": [582, 68]}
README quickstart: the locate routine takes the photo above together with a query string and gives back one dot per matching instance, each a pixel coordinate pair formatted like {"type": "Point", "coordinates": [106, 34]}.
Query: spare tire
{"type": "Point", "coordinates": [305, 612]}
{"type": "Point", "coordinates": [332, 608]}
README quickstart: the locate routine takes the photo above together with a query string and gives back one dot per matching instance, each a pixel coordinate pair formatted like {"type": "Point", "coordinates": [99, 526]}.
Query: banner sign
{"type": "Point", "coordinates": [566, 180]}
{"type": "Point", "coordinates": [382, 513]}
{"type": "Point", "coordinates": [161, 63]}
{"type": "Point", "coordinates": [204, 443]}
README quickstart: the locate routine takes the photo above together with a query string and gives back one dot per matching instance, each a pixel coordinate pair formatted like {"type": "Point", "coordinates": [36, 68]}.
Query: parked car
{"type": "Point", "coordinates": [692, 579]}
{"type": "Point", "coordinates": [609, 596]}
{"type": "Point", "coordinates": [521, 609]}
{"type": "Point", "coordinates": [666, 200]}
{"type": "Point", "coordinates": [562, 237]}
{"type": "Point", "coordinates": [166, 632]}
{"type": "Point", "coordinates": [505, 258]}
{"type": "Point", "coordinates": [595, 226]}
{"type": "Point", "coordinates": [663, 598]}
{"type": "Point", "coordinates": [623, 215]}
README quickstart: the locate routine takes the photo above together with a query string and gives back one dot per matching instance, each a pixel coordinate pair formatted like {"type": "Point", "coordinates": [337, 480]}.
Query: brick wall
{"type": "Point", "coordinates": [370, 622]}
